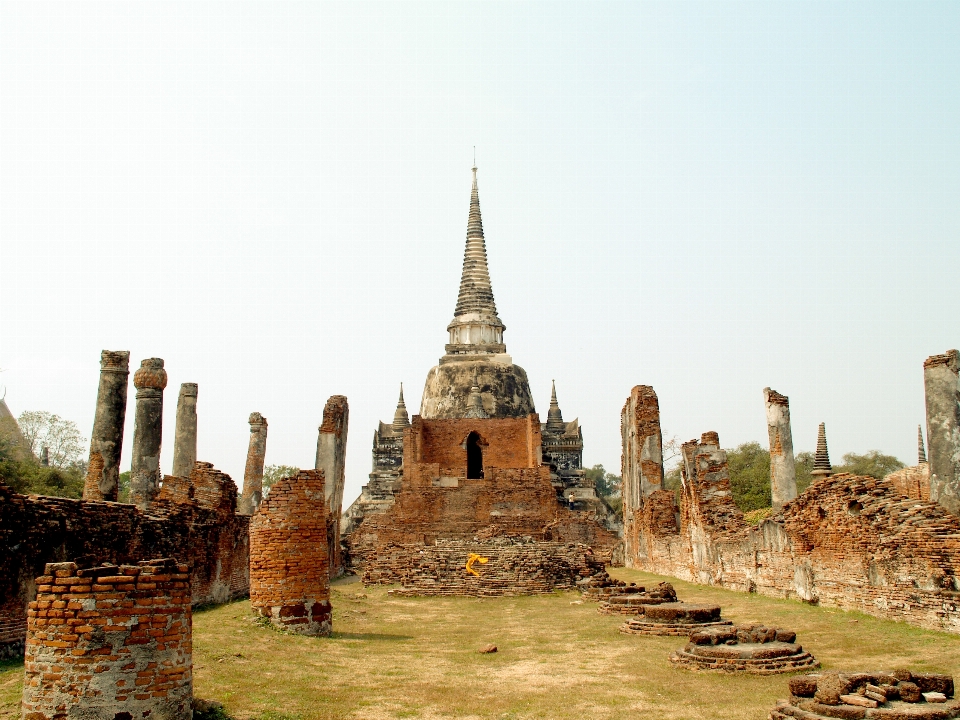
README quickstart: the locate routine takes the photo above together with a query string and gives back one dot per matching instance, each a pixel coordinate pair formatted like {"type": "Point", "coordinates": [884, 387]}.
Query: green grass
{"type": "Point", "coordinates": [394, 657]}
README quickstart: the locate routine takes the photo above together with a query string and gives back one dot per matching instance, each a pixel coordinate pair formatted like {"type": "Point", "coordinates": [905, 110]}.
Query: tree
{"type": "Point", "coordinates": [61, 437]}
{"type": "Point", "coordinates": [873, 463]}
{"type": "Point", "coordinates": [273, 473]}
{"type": "Point", "coordinates": [749, 466]}
{"type": "Point", "coordinates": [607, 484]}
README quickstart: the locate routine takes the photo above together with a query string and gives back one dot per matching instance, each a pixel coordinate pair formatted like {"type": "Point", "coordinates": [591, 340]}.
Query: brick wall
{"type": "Point", "coordinates": [912, 482]}
{"type": "Point", "coordinates": [192, 521]}
{"type": "Point", "coordinates": [110, 642]}
{"type": "Point", "coordinates": [506, 443]}
{"type": "Point", "coordinates": [847, 541]}
{"type": "Point", "coordinates": [289, 556]}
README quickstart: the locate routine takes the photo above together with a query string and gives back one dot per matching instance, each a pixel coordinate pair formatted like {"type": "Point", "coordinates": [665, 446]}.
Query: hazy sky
{"type": "Point", "coordinates": [705, 197]}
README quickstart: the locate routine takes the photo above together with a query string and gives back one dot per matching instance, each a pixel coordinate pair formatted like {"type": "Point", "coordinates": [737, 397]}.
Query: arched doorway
{"type": "Point", "coordinates": [474, 457]}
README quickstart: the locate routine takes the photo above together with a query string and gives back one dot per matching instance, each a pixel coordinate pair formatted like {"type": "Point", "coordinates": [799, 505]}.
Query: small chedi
{"type": "Point", "coordinates": [896, 695]}
{"type": "Point", "coordinates": [289, 556]}
{"type": "Point", "coordinates": [677, 619]}
{"type": "Point", "coordinates": [632, 599]}
{"type": "Point", "coordinates": [755, 649]}
{"type": "Point", "coordinates": [602, 586]}
{"type": "Point", "coordinates": [110, 642]}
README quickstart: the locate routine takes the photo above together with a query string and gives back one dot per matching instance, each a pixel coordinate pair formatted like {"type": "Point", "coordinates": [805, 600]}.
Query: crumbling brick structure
{"type": "Point", "coordinates": [642, 462]}
{"type": "Point", "coordinates": [941, 382]}
{"type": "Point", "coordinates": [912, 482]}
{"type": "Point", "coordinates": [467, 478]}
{"type": "Point", "coordinates": [331, 461]}
{"type": "Point", "coordinates": [192, 520]}
{"type": "Point", "coordinates": [501, 566]}
{"type": "Point", "coordinates": [110, 642]}
{"type": "Point", "coordinates": [106, 440]}
{"type": "Point", "coordinates": [289, 556]}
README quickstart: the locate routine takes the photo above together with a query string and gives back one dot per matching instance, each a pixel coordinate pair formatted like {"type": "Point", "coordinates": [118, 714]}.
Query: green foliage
{"type": "Point", "coordinates": [61, 437]}
{"type": "Point", "coordinates": [873, 463]}
{"type": "Point", "coordinates": [123, 487]}
{"type": "Point", "coordinates": [272, 473]}
{"type": "Point", "coordinates": [672, 481]}
{"type": "Point", "coordinates": [749, 466]}
{"type": "Point", "coordinates": [24, 474]}
{"type": "Point", "coordinates": [607, 484]}
{"type": "Point", "coordinates": [804, 464]}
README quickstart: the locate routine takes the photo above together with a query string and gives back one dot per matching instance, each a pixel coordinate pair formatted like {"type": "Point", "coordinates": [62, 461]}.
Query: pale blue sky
{"type": "Point", "coordinates": [705, 197]}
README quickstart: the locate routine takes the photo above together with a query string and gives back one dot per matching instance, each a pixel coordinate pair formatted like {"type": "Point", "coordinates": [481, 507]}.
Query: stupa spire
{"type": "Point", "coordinates": [921, 451]}
{"type": "Point", "coordinates": [554, 416]}
{"type": "Point", "coordinates": [476, 328]}
{"type": "Point", "coordinates": [821, 461]}
{"type": "Point", "coordinates": [400, 418]}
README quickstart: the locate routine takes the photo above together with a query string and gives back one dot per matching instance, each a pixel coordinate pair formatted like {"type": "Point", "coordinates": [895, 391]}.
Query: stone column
{"type": "Point", "coordinates": [941, 382]}
{"type": "Point", "coordinates": [106, 439]}
{"type": "Point", "coordinates": [185, 438]}
{"type": "Point", "coordinates": [783, 470]}
{"type": "Point", "coordinates": [253, 472]}
{"type": "Point", "coordinates": [641, 462]}
{"type": "Point", "coordinates": [331, 460]}
{"type": "Point", "coordinates": [149, 380]}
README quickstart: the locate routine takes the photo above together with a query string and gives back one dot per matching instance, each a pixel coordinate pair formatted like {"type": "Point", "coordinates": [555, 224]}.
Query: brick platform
{"type": "Point", "coordinates": [675, 619]}
{"type": "Point", "coordinates": [110, 642]}
{"type": "Point", "coordinates": [753, 649]}
{"type": "Point", "coordinates": [289, 560]}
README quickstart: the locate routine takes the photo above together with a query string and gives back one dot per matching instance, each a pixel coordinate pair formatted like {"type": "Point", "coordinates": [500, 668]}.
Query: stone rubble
{"type": "Point", "coordinates": [754, 649]}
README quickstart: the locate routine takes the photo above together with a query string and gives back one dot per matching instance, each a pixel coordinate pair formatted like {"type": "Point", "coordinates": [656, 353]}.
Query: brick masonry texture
{"type": "Point", "coordinates": [110, 642]}
{"type": "Point", "coordinates": [331, 459]}
{"type": "Point", "coordinates": [192, 520]}
{"type": "Point", "coordinates": [513, 566]}
{"type": "Point", "coordinates": [289, 556]}
{"type": "Point", "coordinates": [437, 501]}
{"type": "Point", "coordinates": [642, 463]}
{"type": "Point", "coordinates": [912, 482]}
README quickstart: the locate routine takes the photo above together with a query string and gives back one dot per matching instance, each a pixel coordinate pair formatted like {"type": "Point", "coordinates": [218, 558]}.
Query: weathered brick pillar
{"type": "Point", "coordinates": [331, 460]}
{"type": "Point", "coordinates": [185, 438]}
{"type": "Point", "coordinates": [253, 472]}
{"type": "Point", "coordinates": [289, 560]}
{"type": "Point", "coordinates": [941, 383]}
{"type": "Point", "coordinates": [149, 380]}
{"type": "Point", "coordinates": [110, 642]}
{"type": "Point", "coordinates": [106, 439]}
{"type": "Point", "coordinates": [783, 469]}
{"type": "Point", "coordinates": [641, 463]}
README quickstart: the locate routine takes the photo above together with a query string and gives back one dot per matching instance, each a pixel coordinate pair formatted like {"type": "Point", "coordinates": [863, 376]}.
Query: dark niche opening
{"type": "Point", "coordinates": [474, 457]}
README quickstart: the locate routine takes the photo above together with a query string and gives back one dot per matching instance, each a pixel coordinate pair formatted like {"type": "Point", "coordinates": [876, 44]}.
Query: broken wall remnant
{"type": "Point", "coordinates": [185, 436]}
{"type": "Point", "coordinates": [253, 471]}
{"type": "Point", "coordinates": [110, 642]}
{"type": "Point", "coordinates": [289, 560]}
{"type": "Point", "coordinates": [191, 519]}
{"type": "Point", "coordinates": [149, 380]}
{"type": "Point", "coordinates": [106, 439]}
{"type": "Point", "coordinates": [941, 382]}
{"type": "Point", "coordinates": [642, 459]}
{"type": "Point", "coordinates": [783, 471]}
{"type": "Point", "coordinates": [331, 461]}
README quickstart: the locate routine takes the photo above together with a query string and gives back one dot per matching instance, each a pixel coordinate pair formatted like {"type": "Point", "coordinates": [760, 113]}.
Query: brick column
{"type": "Point", "coordinates": [149, 380]}
{"type": "Point", "coordinates": [941, 383]}
{"type": "Point", "coordinates": [331, 461]}
{"type": "Point", "coordinates": [641, 464]}
{"type": "Point", "coordinates": [783, 470]}
{"type": "Point", "coordinates": [289, 562]}
{"type": "Point", "coordinates": [110, 642]}
{"type": "Point", "coordinates": [185, 437]}
{"type": "Point", "coordinates": [106, 439]}
{"type": "Point", "coordinates": [253, 472]}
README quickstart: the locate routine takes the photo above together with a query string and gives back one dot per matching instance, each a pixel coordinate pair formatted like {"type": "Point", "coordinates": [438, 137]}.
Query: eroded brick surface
{"type": "Point", "coordinates": [289, 560]}
{"type": "Point", "coordinates": [110, 642]}
{"type": "Point", "coordinates": [912, 482]}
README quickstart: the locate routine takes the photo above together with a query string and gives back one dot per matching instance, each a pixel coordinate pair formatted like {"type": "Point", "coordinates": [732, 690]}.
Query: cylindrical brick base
{"type": "Point", "coordinates": [110, 643]}
{"type": "Point", "coordinates": [289, 559]}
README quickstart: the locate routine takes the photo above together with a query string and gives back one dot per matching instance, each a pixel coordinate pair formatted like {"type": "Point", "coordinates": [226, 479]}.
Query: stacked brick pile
{"type": "Point", "coordinates": [601, 586]}
{"type": "Point", "coordinates": [893, 695]}
{"type": "Point", "coordinates": [514, 567]}
{"type": "Point", "coordinates": [289, 557]}
{"type": "Point", "coordinates": [912, 482]}
{"type": "Point", "coordinates": [633, 599]}
{"type": "Point", "coordinates": [674, 619]}
{"type": "Point", "coordinates": [110, 642]}
{"type": "Point", "coordinates": [754, 649]}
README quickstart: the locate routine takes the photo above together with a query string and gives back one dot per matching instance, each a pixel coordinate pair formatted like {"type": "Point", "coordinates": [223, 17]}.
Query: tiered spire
{"type": "Point", "coordinates": [400, 418]}
{"type": "Point", "coordinates": [476, 293]}
{"type": "Point", "coordinates": [821, 462]}
{"type": "Point", "coordinates": [476, 329]}
{"type": "Point", "coordinates": [921, 452]}
{"type": "Point", "coordinates": [554, 416]}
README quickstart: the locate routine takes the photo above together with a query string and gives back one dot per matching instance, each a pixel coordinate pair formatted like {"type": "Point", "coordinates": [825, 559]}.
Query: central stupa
{"type": "Point", "coordinates": [476, 362]}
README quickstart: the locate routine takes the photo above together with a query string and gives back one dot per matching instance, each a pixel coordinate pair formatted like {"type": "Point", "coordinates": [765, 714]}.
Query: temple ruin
{"type": "Point", "coordinates": [252, 494]}
{"type": "Point", "coordinates": [476, 464]}
{"type": "Point", "coordinates": [941, 382]}
{"type": "Point", "coordinates": [106, 440]}
{"type": "Point", "coordinates": [754, 649]}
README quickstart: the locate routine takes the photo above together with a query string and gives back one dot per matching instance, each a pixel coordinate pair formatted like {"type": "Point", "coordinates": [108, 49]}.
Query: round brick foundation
{"type": "Point", "coordinates": [110, 642]}
{"type": "Point", "coordinates": [677, 619]}
{"type": "Point", "coordinates": [754, 649]}
{"type": "Point", "coordinates": [289, 563]}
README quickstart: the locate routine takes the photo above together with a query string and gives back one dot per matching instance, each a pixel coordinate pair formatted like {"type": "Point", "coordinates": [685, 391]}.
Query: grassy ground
{"type": "Point", "coordinates": [558, 658]}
